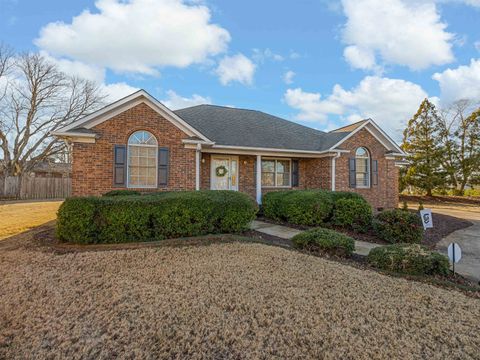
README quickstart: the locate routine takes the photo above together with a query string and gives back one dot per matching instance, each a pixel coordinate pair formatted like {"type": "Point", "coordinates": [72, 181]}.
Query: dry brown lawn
{"type": "Point", "coordinates": [19, 217]}
{"type": "Point", "coordinates": [222, 301]}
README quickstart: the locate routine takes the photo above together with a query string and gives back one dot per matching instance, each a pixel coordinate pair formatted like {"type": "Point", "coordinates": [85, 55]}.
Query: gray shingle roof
{"type": "Point", "coordinates": [251, 128]}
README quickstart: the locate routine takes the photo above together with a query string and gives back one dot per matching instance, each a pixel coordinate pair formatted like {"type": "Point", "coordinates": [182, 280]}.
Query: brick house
{"type": "Point", "coordinates": [138, 143]}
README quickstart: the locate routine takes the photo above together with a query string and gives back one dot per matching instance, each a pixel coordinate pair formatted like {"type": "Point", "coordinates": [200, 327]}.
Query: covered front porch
{"type": "Point", "coordinates": [236, 169]}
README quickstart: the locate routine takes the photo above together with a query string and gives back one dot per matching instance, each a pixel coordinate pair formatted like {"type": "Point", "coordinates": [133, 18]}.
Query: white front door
{"type": "Point", "coordinates": [224, 173]}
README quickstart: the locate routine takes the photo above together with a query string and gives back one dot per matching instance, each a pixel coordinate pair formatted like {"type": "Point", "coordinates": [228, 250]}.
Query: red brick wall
{"type": "Point", "coordinates": [318, 173]}
{"type": "Point", "coordinates": [92, 168]}
{"type": "Point", "coordinates": [383, 195]}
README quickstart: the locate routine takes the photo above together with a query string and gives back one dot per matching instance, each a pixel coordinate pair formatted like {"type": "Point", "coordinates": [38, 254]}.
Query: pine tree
{"type": "Point", "coordinates": [422, 143]}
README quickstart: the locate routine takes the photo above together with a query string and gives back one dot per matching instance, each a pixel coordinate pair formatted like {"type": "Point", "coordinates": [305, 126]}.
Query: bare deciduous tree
{"type": "Point", "coordinates": [36, 99]}
{"type": "Point", "coordinates": [460, 132]}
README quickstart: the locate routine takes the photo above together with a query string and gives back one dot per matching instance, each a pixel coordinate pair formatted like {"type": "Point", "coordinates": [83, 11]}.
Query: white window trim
{"type": "Point", "coordinates": [275, 177]}
{"type": "Point", "coordinates": [369, 175]}
{"type": "Point", "coordinates": [128, 162]}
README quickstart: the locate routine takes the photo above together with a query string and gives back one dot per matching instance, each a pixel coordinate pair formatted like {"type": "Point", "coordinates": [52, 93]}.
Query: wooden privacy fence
{"type": "Point", "coordinates": [27, 187]}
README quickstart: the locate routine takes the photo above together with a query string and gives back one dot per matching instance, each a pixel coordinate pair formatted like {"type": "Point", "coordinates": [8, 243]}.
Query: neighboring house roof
{"type": "Point", "coordinates": [351, 127]}
{"type": "Point", "coordinates": [82, 130]}
{"type": "Point", "coordinates": [251, 128]}
{"type": "Point", "coordinates": [220, 126]}
{"type": "Point", "coordinates": [52, 167]}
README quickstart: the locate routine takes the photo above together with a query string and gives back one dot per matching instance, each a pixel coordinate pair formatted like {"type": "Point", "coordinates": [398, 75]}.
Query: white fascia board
{"type": "Point", "coordinates": [128, 102]}
{"type": "Point", "coordinates": [72, 134]}
{"type": "Point", "coordinates": [189, 141]}
{"type": "Point", "coordinates": [364, 125]}
{"type": "Point", "coordinates": [268, 149]}
{"type": "Point", "coordinates": [387, 136]}
{"type": "Point", "coordinates": [244, 150]}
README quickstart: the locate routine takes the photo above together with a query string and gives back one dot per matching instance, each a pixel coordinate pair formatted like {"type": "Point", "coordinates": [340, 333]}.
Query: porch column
{"type": "Point", "coordinates": [198, 153]}
{"type": "Point", "coordinates": [333, 169]}
{"type": "Point", "coordinates": [259, 179]}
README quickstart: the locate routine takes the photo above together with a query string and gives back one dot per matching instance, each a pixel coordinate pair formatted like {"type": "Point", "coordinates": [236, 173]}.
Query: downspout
{"type": "Point", "coordinates": [198, 153]}
{"type": "Point", "coordinates": [334, 169]}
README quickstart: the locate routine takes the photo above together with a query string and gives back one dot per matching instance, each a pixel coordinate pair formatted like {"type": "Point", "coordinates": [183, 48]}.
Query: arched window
{"type": "Point", "coordinates": [362, 168]}
{"type": "Point", "coordinates": [142, 160]}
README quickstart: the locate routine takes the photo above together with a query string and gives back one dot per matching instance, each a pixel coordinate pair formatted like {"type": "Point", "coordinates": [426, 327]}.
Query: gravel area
{"type": "Point", "coordinates": [232, 301]}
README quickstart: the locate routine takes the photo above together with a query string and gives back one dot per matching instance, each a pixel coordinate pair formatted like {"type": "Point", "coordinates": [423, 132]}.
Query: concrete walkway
{"type": "Point", "coordinates": [468, 239]}
{"type": "Point", "coordinates": [285, 232]}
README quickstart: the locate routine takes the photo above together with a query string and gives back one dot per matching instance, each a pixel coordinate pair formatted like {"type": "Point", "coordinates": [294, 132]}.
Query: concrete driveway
{"type": "Point", "coordinates": [468, 238]}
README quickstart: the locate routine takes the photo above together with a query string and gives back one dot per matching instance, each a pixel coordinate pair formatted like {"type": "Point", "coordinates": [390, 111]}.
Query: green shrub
{"type": "Point", "coordinates": [122, 193]}
{"type": "Point", "coordinates": [271, 204]}
{"type": "Point", "coordinates": [412, 259]}
{"type": "Point", "coordinates": [158, 216]}
{"type": "Point", "coordinates": [313, 207]}
{"type": "Point", "coordinates": [354, 213]}
{"type": "Point", "coordinates": [75, 219]}
{"type": "Point", "coordinates": [325, 241]}
{"type": "Point", "coordinates": [398, 226]}
{"type": "Point", "coordinates": [338, 195]}
{"type": "Point", "coordinates": [302, 207]}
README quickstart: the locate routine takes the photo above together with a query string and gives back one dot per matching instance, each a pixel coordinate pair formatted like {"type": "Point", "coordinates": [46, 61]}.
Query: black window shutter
{"type": "Point", "coordinates": [163, 164]}
{"type": "Point", "coordinates": [374, 172]}
{"type": "Point", "coordinates": [119, 165]}
{"type": "Point", "coordinates": [295, 172]}
{"type": "Point", "coordinates": [352, 173]}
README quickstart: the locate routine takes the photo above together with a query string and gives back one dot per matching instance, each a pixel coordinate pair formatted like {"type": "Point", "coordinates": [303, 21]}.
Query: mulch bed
{"type": "Point", "coordinates": [443, 226]}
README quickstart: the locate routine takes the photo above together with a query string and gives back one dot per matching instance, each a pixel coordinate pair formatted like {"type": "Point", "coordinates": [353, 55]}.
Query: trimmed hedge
{"type": "Point", "coordinates": [354, 213]}
{"type": "Point", "coordinates": [398, 226]}
{"type": "Point", "coordinates": [118, 219]}
{"type": "Point", "coordinates": [411, 259]}
{"type": "Point", "coordinates": [337, 195]}
{"type": "Point", "coordinates": [323, 240]}
{"type": "Point", "coordinates": [316, 207]}
{"type": "Point", "coordinates": [302, 207]}
{"type": "Point", "coordinates": [122, 193]}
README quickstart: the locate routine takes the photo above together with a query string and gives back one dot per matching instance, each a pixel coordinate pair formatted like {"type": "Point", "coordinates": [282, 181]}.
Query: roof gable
{"type": "Point", "coordinates": [369, 125]}
{"type": "Point", "coordinates": [83, 126]}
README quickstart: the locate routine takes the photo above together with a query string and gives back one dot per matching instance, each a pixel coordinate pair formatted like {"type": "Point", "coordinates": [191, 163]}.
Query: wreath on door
{"type": "Point", "coordinates": [221, 171]}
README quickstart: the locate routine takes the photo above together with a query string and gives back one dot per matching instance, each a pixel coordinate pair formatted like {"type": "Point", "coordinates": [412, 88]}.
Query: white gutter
{"type": "Point", "coordinates": [195, 142]}
{"type": "Point", "coordinates": [73, 134]}
{"type": "Point", "coordinates": [276, 149]}
{"type": "Point", "coordinates": [334, 169]}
